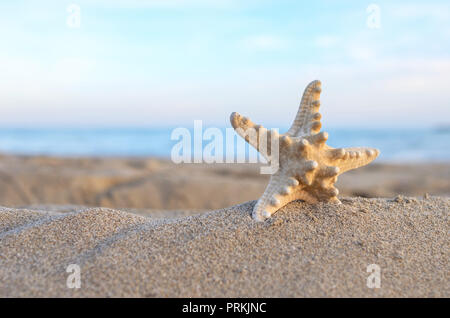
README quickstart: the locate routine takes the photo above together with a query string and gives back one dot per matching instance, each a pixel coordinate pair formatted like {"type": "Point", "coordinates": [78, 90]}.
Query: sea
{"type": "Point", "coordinates": [396, 145]}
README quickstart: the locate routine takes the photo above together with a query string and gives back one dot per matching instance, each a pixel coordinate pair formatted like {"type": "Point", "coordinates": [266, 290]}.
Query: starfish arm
{"type": "Point", "coordinates": [256, 135]}
{"type": "Point", "coordinates": [351, 158]}
{"type": "Point", "coordinates": [269, 202]}
{"type": "Point", "coordinates": [280, 191]}
{"type": "Point", "coordinates": [307, 120]}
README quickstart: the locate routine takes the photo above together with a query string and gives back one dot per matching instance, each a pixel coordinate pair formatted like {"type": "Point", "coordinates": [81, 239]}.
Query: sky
{"type": "Point", "coordinates": [148, 63]}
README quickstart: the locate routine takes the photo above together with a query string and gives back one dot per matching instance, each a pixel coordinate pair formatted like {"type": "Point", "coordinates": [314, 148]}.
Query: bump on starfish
{"type": "Point", "coordinates": [308, 167]}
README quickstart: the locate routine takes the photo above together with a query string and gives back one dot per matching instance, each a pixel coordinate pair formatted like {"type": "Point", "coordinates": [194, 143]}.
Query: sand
{"type": "Point", "coordinates": [303, 251]}
{"type": "Point", "coordinates": [167, 230]}
{"type": "Point", "coordinates": [154, 184]}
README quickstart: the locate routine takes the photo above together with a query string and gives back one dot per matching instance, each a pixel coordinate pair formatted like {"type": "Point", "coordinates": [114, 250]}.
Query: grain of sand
{"type": "Point", "coordinates": [303, 251]}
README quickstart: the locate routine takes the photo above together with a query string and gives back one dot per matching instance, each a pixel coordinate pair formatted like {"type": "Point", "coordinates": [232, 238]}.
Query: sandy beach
{"type": "Point", "coordinates": [156, 184]}
{"type": "Point", "coordinates": [304, 251]}
{"type": "Point", "coordinates": [184, 231]}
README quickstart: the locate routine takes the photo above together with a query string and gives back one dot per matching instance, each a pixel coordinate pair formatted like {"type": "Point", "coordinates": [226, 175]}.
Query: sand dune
{"type": "Point", "coordinates": [304, 250]}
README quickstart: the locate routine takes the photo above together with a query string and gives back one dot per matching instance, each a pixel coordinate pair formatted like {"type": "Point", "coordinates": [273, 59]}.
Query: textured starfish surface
{"type": "Point", "coordinates": [308, 167]}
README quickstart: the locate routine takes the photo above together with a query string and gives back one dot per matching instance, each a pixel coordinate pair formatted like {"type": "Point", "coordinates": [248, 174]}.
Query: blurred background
{"type": "Point", "coordinates": [90, 92]}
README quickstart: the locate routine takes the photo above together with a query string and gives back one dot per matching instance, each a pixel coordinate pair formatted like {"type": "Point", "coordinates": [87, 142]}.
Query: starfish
{"type": "Point", "coordinates": [308, 167]}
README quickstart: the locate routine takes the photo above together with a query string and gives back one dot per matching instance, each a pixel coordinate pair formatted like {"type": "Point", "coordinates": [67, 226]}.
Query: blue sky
{"type": "Point", "coordinates": [168, 62]}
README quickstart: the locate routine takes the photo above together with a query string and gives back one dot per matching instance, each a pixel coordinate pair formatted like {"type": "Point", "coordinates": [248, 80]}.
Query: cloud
{"type": "Point", "coordinates": [414, 11]}
{"type": "Point", "coordinates": [264, 42]}
{"type": "Point", "coordinates": [27, 78]}
{"type": "Point", "coordinates": [361, 53]}
{"type": "Point", "coordinates": [326, 41]}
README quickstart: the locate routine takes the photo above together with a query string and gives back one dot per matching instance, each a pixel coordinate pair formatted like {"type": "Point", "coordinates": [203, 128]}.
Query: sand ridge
{"type": "Point", "coordinates": [304, 250]}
